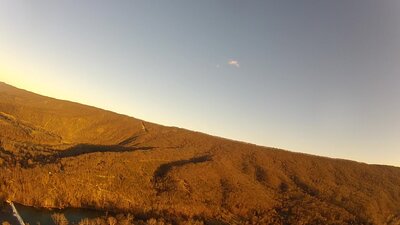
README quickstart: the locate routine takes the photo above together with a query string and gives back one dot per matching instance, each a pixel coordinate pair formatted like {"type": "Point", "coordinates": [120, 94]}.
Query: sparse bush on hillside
{"type": "Point", "coordinates": [192, 222]}
{"type": "Point", "coordinates": [95, 221]}
{"type": "Point", "coordinates": [112, 221]}
{"type": "Point", "coordinates": [59, 219]}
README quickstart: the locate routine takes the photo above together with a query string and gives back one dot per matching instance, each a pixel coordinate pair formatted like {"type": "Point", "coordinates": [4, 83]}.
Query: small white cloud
{"type": "Point", "coordinates": [234, 63]}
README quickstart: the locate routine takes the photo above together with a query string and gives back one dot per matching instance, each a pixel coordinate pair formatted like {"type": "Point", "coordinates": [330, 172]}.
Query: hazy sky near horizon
{"type": "Point", "coordinates": [314, 76]}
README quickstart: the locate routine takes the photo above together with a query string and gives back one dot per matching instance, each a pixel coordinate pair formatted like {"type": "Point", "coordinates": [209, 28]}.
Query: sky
{"type": "Point", "coordinates": [314, 76]}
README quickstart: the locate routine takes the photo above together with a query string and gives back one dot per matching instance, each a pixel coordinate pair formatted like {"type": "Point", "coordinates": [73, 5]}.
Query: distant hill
{"type": "Point", "coordinates": [56, 153]}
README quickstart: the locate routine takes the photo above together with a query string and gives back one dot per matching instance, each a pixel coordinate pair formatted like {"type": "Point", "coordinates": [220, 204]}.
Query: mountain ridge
{"type": "Point", "coordinates": [196, 131]}
{"type": "Point", "coordinates": [175, 173]}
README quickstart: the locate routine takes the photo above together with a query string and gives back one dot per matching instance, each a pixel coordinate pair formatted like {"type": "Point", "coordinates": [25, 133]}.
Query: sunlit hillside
{"type": "Point", "coordinates": [60, 154]}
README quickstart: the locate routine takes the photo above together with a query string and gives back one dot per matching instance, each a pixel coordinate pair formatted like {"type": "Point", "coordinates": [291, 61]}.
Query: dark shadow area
{"type": "Point", "coordinates": [82, 149]}
{"type": "Point", "coordinates": [165, 168]}
{"type": "Point", "coordinates": [132, 139]}
{"type": "Point", "coordinates": [260, 174]}
{"type": "Point", "coordinates": [304, 187]}
{"type": "Point", "coordinates": [161, 181]}
{"type": "Point", "coordinates": [3, 151]}
{"type": "Point", "coordinates": [87, 148]}
{"type": "Point", "coordinates": [226, 189]}
{"type": "Point", "coordinates": [7, 156]}
{"type": "Point", "coordinates": [129, 140]}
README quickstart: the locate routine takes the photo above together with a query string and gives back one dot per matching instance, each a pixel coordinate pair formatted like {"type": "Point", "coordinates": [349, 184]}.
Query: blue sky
{"type": "Point", "coordinates": [320, 77]}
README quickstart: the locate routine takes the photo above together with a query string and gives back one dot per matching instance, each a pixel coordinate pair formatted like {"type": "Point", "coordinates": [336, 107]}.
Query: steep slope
{"type": "Point", "coordinates": [71, 121]}
{"type": "Point", "coordinates": [56, 153]}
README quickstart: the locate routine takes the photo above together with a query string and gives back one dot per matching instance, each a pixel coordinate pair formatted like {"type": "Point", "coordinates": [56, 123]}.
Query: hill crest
{"type": "Point", "coordinates": [104, 160]}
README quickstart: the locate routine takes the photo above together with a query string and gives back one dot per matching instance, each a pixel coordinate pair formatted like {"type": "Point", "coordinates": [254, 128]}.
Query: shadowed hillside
{"type": "Point", "coordinates": [59, 154]}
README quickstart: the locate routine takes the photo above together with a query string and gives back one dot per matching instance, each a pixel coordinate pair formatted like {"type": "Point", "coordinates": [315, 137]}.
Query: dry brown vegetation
{"type": "Point", "coordinates": [59, 154]}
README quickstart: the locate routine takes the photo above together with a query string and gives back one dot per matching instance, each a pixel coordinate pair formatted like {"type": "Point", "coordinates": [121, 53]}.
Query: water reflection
{"type": "Point", "coordinates": [33, 215]}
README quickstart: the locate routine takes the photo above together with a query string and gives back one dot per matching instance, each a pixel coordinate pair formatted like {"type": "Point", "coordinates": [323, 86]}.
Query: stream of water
{"type": "Point", "coordinates": [35, 216]}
